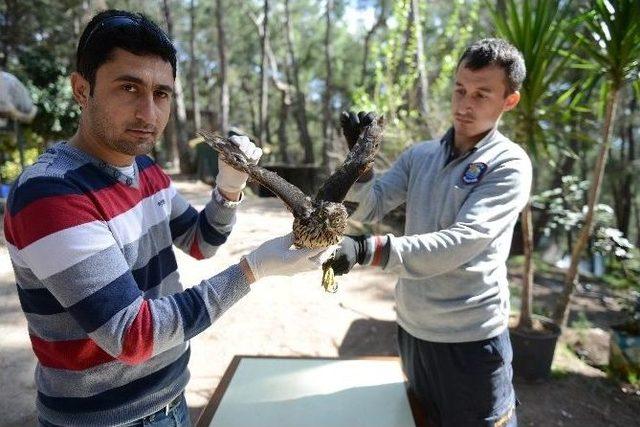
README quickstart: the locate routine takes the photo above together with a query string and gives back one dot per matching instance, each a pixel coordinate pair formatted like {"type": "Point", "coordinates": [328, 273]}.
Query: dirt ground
{"type": "Point", "coordinates": [294, 316]}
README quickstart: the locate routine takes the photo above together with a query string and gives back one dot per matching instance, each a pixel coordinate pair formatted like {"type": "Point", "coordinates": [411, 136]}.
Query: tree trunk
{"type": "Point", "coordinates": [401, 68]}
{"type": "Point", "coordinates": [193, 69]}
{"type": "Point", "coordinates": [300, 108]}
{"type": "Point", "coordinates": [527, 276]}
{"type": "Point", "coordinates": [423, 82]}
{"type": "Point", "coordinates": [182, 134]}
{"type": "Point", "coordinates": [624, 191]}
{"type": "Point", "coordinates": [561, 313]}
{"type": "Point", "coordinates": [636, 205]}
{"type": "Point", "coordinates": [327, 123]}
{"type": "Point", "coordinates": [180, 116]}
{"type": "Point", "coordinates": [249, 92]}
{"type": "Point", "coordinates": [526, 222]}
{"type": "Point", "coordinates": [283, 87]}
{"type": "Point", "coordinates": [283, 141]}
{"type": "Point", "coordinates": [264, 82]}
{"type": "Point", "coordinates": [381, 22]}
{"type": "Point", "coordinates": [222, 56]}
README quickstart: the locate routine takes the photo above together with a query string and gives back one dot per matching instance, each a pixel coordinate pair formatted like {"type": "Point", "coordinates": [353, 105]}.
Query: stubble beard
{"type": "Point", "coordinates": [106, 133]}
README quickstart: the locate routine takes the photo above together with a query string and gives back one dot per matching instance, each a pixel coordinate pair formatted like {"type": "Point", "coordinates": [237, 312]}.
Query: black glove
{"type": "Point", "coordinates": [352, 250]}
{"type": "Point", "coordinates": [352, 125]}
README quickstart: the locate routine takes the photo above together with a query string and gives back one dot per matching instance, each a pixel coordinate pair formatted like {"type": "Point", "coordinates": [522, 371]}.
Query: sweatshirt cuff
{"type": "Point", "coordinates": [377, 251]}
{"type": "Point", "coordinates": [221, 200]}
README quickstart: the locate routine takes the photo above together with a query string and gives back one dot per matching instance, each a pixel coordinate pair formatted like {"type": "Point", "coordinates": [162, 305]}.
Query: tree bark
{"type": "Point", "coordinates": [407, 33]}
{"type": "Point", "coordinates": [249, 92]}
{"type": "Point", "coordinates": [423, 82]}
{"type": "Point", "coordinates": [527, 276]}
{"type": "Point", "coordinates": [381, 22]}
{"type": "Point", "coordinates": [561, 313]}
{"type": "Point", "coordinates": [327, 123]}
{"type": "Point", "coordinates": [264, 82]}
{"type": "Point", "coordinates": [283, 87]}
{"type": "Point", "coordinates": [222, 57]}
{"type": "Point", "coordinates": [300, 108]}
{"type": "Point", "coordinates": [179, 119]}
{"type": "Point", "coordinates": [193, 69]}
{"type": "Point", "coordinates": [624, 193]}
{"type": "Point", "coordinates": [526, 222]}
{"type": "Point", "coordinates": [283, 141]}
{"type": "Point", "coordinates": [637, 209]}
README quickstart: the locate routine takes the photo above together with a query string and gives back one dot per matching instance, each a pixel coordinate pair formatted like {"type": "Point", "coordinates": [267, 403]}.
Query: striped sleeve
{"type": "Point", "coordinates": [56, 232]}
{"type": "Point", "coordinates": [200, 234]}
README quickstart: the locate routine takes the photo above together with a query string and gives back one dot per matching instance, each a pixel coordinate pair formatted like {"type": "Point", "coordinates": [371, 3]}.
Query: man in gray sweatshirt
{"type": "Point", "coordinates": [463, 193]}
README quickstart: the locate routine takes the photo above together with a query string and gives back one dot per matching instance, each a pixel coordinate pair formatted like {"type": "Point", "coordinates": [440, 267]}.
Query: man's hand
{"type": "Point", "coordinates": [363, 250]}
{"type": "Point", "coordinates": [353, 124]}
{"type": "Point", "coordinates": [230, 181]}
{"type": "Point", "coordinates": [278, 257]}
{"type": "Point", "coordinates": [352, 250]}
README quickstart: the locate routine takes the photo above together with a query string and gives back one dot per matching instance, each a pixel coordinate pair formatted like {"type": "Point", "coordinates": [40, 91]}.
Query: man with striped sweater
{"type": "Point", "coordinates": [90, 228]}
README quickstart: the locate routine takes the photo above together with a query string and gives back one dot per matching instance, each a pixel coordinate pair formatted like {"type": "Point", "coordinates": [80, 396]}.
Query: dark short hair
{"type": "Point", "coordinates": [486, 52]}
{"type": "Point", "coordinates": [113, 29]}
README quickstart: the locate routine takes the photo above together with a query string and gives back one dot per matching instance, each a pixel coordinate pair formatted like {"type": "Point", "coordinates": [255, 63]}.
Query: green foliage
{"type": "Point", "coordinates": [581, 323]}
{"type": "Point", "coordinates": [10, 169]}
{"type": "Point", "coordinates": [40, 55]}
{"type": "Point", "coordinates": [567, 213]}
{"type": "Point", "coordinates": [394, 67]}
{"type": "Point", "coordinates": [607, 48]}
{"type": "Point", "coordinates": [624, 273]}
{"type": "Point", "coordinates": [540, 29]}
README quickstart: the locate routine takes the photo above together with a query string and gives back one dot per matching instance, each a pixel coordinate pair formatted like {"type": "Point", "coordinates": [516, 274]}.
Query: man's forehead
{"type": "Point", "coordinates": [489, 76]}
{"type": "Point", "coordinates": [147, 69]}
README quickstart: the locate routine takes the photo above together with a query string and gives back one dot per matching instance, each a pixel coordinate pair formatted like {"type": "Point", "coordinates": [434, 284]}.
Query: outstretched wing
{"type": "Point", "coordinates": [359, 159]}
{"type": "Point", "coordinates": [297, 202]}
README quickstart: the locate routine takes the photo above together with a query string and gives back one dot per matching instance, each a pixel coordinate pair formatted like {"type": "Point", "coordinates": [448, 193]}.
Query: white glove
{"type": "Point", "coordinates": [277, 257]}
{"type": "Point", "coordinates": [230, 180]}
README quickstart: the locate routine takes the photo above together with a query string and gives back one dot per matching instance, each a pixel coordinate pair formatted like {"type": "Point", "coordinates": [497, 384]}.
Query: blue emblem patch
{"type": "Point", "coordinates": [474, 172]}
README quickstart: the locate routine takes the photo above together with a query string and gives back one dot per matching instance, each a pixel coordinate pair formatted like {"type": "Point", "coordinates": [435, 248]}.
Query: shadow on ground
{"type": "Point", "coordinates": [575, 400]}
{"type": "Point", "coordinates": [369, 337]}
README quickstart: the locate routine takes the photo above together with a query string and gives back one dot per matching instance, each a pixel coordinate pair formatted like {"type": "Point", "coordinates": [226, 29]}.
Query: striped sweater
{"type": "Point", "coordinates": [97, 280]}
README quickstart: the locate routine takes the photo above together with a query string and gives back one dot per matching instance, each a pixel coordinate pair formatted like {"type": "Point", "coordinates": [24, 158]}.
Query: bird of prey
{"type": "Point", "coordinates": [319, 221]}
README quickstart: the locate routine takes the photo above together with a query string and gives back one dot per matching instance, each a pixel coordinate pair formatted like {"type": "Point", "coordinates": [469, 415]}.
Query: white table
{"type": "Point", "coordinates": [310, 392]}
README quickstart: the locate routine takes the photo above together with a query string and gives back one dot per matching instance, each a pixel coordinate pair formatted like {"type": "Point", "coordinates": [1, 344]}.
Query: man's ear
{"type": "Point", "coordinates": [511, 101]}
{"type": "Point", "coordinates": [80, 88]}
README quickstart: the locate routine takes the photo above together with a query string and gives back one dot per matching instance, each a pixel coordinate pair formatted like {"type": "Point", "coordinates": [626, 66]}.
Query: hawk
{"type": "Point", "coordinates": [319, 221]}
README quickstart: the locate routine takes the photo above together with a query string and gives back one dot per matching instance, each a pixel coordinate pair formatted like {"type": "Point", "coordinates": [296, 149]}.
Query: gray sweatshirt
{"type": "Point", "coordinates": [460, 216]}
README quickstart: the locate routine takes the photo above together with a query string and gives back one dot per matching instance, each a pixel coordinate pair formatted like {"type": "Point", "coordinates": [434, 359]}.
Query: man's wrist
{"type": "Point", "coordinates": [246, 270]}
{"type": "Point", "coordinates": [227, 199]}
{"type": "Point", "coordinates": [377, 251]}
{"type": "Point", "coordinates": [230, 196]}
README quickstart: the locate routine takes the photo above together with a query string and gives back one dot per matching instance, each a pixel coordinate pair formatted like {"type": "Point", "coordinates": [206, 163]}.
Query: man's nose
{"type": "Point", "coordinates": [146, 109]}
{"type": "Point", "coordinates": [463, 105]}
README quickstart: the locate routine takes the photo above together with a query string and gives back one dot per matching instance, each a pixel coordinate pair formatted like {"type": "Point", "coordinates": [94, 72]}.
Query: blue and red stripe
{"type": "Point", "coordinates": [118, 396]}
